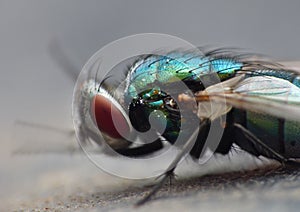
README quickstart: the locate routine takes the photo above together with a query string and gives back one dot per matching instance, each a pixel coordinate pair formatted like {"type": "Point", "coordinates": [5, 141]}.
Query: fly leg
{"type": "Point", "coordinates": [170, 170]}
{"type": "Point", "coordinates": [165, 176]}
{"type": "Point", "coordinates": [257, 147]}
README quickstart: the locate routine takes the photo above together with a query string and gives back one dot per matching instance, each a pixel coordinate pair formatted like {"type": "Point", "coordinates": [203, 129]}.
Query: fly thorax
{"type": "Point", "coordinates": [155, 109]}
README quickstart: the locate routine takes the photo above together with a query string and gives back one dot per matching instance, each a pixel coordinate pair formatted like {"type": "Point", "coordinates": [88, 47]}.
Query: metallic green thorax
{"type": "Point", "coordinates": [175, 67]}
{"type": "Point", "coordinates": [144, 91]}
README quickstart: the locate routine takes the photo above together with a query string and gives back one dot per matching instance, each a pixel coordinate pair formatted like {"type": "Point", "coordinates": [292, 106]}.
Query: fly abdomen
{"type": "Point", "coordinates": [278, 134]}
{"type": "Point", "coordinates": [292, 139]}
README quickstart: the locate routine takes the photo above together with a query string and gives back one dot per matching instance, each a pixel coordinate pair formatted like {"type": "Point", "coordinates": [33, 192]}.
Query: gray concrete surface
{"type": "Point", "coordinates": [271, 188]}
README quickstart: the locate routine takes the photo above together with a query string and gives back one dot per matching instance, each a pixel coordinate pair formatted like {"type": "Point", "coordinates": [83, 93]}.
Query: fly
{"type": "Point", "coordinates": [254, 101]}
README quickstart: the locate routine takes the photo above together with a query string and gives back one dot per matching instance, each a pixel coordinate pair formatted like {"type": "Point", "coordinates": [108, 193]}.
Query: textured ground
{"type": "Point", "coordinates": [267, 187]}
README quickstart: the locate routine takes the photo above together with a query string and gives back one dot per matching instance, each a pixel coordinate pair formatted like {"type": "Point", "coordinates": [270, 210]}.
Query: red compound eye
{"type": "Point", "coordinates": [109, 117]}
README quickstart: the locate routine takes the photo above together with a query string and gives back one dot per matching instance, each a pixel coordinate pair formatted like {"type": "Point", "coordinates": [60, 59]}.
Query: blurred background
{"type": "Point", "coordinates": [34, 88]}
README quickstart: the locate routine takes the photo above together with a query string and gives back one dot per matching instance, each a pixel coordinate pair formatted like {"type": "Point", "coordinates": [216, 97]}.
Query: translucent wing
{"type": "Point", "coordinates": [262, 94]}
{"type": "Point", "coordinates": [269, 95]}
